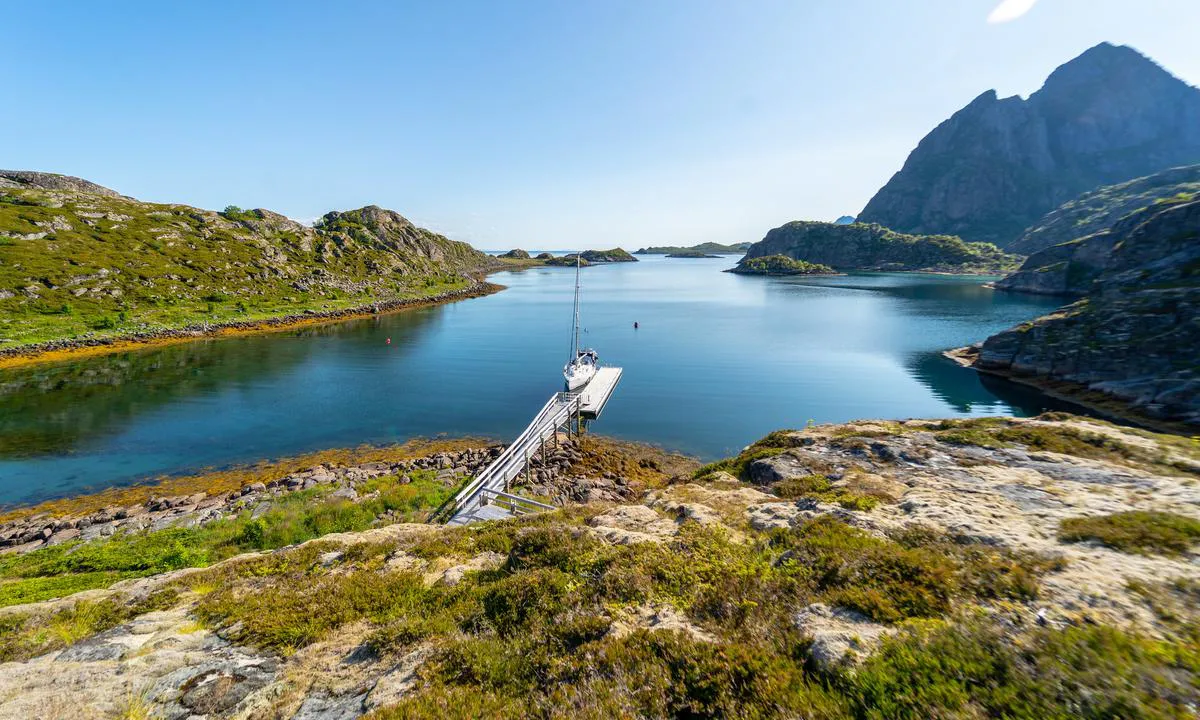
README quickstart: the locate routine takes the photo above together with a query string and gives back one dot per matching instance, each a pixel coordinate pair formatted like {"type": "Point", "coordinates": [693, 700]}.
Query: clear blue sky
{"type": "Point", "coordinates": [563, 123]}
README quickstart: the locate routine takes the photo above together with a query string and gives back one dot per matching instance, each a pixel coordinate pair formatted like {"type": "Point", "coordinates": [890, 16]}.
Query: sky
{"type": "Point", "coordinates": [531, 123]}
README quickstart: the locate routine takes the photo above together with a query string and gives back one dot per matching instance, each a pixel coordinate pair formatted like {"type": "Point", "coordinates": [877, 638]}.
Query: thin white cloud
{"type": "Point", "coordinates": [1010, 10]}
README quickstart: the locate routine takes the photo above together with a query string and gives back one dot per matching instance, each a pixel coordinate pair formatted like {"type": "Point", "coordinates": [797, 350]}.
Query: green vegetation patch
{"type": "Point", "coordinates": [821, 488]}
{"type": "Point", "coordinates": [559, 578]}
{"type": "Point", "coordinates": [1137, 531]}
{"type": "Point", "coordinates": [976, 669]}
{"type": "Point", "coordinates": [294, 518]}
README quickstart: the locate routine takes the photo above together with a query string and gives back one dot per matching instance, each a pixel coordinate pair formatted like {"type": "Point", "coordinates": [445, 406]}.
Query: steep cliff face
{"type": "Point", "coordinates": [1135, 335]}
{"type": "Point", "coordinates": [873, 247]}
{"type": "Point", "coordinates": [998, 165]}
{"type": "Point", "coordinates": [1100, 209]}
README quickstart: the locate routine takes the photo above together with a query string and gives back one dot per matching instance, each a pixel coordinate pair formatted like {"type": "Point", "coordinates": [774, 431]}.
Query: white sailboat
{"type": "Point", "coordinates": [581, 368]}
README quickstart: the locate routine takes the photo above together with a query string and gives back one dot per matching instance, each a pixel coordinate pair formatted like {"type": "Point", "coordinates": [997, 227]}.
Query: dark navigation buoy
{"type": "Point", "coordinates": [635, 325]}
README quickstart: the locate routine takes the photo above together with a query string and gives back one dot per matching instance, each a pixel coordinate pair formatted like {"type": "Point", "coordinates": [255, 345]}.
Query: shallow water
{"type": "Point", "coordinates": [719, 360]}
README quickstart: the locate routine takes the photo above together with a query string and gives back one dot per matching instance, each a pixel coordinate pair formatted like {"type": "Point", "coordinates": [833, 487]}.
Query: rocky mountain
{"type": "Point", "coordinates": [872, 247]}
{"type": "Point", "coordinates": [706, 248]}
{"type": "Point", "coordinates": [844, 220]}
{"type": "Point", "coordinates": [998, 165]}
{"type": "Point", "coordinates": [1101, 208]}
{"type": "Point", "coordinates": [1134, 335]}
{"type": "Point", "coordinates": [79, 260]}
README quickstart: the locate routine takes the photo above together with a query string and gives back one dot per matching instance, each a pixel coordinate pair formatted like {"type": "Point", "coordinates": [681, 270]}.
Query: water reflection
{"type": "Point", "coordinates": [52, 409]}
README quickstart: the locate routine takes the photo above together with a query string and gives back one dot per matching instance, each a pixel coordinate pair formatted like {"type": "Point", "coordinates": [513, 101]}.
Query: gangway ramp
{"type": "Point", "coordinates": [487, 496]}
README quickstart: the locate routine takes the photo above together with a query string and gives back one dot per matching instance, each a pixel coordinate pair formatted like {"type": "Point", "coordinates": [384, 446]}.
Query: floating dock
{"type": "Point", "coordinates": [596, 393]}
{"type": "Point", "coordinates": [487, 497]}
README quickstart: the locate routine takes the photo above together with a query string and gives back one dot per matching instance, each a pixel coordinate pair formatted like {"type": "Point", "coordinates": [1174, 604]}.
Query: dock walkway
{"type": "Point", "coordinates": [487, 496]}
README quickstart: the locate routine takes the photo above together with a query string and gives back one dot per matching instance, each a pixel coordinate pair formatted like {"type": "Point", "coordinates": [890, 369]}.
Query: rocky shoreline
{"type": "Point", "coordinates": [59, 349]}
{"type": "Point", "coordinates": [159, 512]}
{"type": "Point", "coordinates": [550, 479]}
{"type": "Point", "coordinates": [1076, 394]}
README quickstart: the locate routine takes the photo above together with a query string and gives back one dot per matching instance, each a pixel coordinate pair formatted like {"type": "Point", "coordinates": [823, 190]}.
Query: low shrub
{"type": "Point", "coordinates": [1135, 531]}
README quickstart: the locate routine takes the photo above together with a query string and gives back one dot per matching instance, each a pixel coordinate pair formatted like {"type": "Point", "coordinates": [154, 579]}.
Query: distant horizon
{"type": "Point", "coordinates": [669, 123]}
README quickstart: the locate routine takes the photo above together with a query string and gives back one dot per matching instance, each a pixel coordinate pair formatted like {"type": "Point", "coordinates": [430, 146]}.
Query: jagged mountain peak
{"type": "Point", "coordinates": [997, 165]}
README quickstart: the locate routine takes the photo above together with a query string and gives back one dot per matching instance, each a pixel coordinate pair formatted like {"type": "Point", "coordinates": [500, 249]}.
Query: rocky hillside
{"type": "Point", "coordinates": [80, 260]}
{"type": "Point", "coordinates": [1099, 209]}
{"type": "Point", "coordinates": [998, 165]}
{"type": "Point", "coordinates": [860, 246]}
{"type": "Point", "coordinates": [1134, 336]}
{"type": "Point", "coordinates": [974, 568]}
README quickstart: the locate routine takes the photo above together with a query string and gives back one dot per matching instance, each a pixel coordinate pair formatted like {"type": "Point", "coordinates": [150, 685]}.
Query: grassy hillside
{"type": "Point", "coordinates": [1101, 208]}
{"type": "Point", "coordinates": [862, 246]}
{"type": "Point", "coordinates": [84, 264]}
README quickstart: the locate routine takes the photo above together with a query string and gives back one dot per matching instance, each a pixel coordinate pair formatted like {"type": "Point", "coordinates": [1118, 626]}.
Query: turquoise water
{"type": "Point", "coordinates": [719, 361]}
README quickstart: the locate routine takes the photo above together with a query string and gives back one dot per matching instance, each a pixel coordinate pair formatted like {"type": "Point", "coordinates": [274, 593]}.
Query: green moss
{"type": "Point", "coordinates": [1136, 531]}
{"type": "Point", "coordinates": [821, 488]}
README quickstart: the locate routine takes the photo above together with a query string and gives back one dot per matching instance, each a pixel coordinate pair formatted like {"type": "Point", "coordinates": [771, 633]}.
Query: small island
{"type": "Point", "coordinates": [694, 254]}
{"type": "Point", "coordinates": [565, 261]}
{"type": "Point", "coordinates": [515, 254]}
{"type": "Point", "coordinates": [706, 247]}
{"type": "Point", "coordinates": [607, 256]}
{"type": "Point", "coordinates": [780, 265]}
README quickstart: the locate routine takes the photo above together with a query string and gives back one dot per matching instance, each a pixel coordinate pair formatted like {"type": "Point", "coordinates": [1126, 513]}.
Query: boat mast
{"type": "Point", "coordinates": [575, 354]}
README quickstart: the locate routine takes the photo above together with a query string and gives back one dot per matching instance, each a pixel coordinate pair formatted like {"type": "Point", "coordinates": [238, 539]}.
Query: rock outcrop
{"type": "Point", "coordinates": [873, 247]}
{"type": "Point", "coordinates": [998, 165]}
{"type": "Point", "coordinates": [1134, 336]}
{"type": "Point", "coordinates": [515, 254]}
{"type": "Point", "coordinates": [52, 181]}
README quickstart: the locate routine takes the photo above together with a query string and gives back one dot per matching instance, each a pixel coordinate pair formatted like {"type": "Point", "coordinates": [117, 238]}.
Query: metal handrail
{"type": "Point", "coordinates": [517, 499]}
